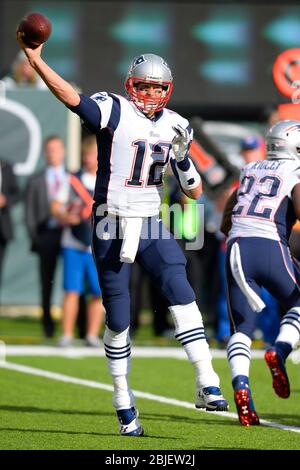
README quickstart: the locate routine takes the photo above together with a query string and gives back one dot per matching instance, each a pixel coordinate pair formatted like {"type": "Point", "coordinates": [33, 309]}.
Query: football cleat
{"type": "Point", "coordinates": [129, 424]}
{"type": "Point", "coordinates": [244, 406]}
{"type": "Point", "coordinates": [211, 399]}
{"type": "Point", "coordinates": [277, 368]}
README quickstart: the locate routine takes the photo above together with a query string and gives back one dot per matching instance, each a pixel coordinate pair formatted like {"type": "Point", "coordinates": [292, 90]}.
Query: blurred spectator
{"type": "Point", "coordinates": [9, 195]}
{"type": "Point", "coordinates": [44, 231]}
{"type": "Point", "coordinates": [252, 148]}
{"type": "Point", "coordinates": [23, 75]}
{"type": "Point", "coordinates": [72, 208]}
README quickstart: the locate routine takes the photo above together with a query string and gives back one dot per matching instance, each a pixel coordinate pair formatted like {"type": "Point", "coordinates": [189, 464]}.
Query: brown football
{"type": "Point", "coordinates": [35, 29]}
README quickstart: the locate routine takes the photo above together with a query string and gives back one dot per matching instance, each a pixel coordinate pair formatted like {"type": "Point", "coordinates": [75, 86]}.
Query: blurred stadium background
{"type": "Point", "coordinates": [221, 53]}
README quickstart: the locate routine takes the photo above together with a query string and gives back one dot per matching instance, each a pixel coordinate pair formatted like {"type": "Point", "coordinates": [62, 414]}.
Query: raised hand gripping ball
{"type": "Point", "coordinates": [35, 29]}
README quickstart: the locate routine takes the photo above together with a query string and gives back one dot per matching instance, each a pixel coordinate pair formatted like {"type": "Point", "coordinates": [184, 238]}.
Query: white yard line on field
{"type": "Point", "coordinates": [137, 393]}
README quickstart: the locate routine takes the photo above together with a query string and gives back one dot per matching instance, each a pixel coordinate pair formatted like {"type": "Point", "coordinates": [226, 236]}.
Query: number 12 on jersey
{"type": "Point", "coordinates": [160, 156]}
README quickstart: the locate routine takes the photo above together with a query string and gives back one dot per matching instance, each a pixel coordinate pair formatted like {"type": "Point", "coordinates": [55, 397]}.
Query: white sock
{"type": "Point", "coordinates": [189, 330]}
{"type": "Point", "coordinates": [290, 327]}
{"type": "Point", "coordinates": [123, 397]}
{"type": "Point", "coordinates": [239, 354]}
{"type": "Point", "coordinates": [205, 374]}
{"type": "Point", "coordinates": [118, 354]}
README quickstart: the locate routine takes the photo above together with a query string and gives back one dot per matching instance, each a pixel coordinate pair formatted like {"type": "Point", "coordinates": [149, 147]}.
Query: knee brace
{"type": "Point", "coordinates": [113, 306]}
{"type": "Point", "coordinates": [175, 286]}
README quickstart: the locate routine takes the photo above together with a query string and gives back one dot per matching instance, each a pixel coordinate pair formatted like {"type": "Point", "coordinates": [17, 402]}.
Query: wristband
{"type": "Point", "coordinates": [189, 179]}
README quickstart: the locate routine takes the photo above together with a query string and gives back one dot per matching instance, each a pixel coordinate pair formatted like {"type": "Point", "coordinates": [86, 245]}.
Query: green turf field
{"type": "Point", "coordinates": [42, 413]}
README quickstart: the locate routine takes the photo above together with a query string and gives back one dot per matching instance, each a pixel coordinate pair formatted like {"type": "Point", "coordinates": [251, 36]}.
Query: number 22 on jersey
{"type": "Point", "coordinates": [256, 207]}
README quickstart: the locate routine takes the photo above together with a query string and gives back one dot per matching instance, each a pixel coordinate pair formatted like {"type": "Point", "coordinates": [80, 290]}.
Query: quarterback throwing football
{"type": "Point", "coordinates": [137, 138]}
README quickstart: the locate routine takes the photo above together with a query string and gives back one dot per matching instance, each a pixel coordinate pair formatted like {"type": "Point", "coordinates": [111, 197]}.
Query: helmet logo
{"type": "Point", "coordinates": [139, 60]}
{"type": "Point", "coordinates": [293, 128]}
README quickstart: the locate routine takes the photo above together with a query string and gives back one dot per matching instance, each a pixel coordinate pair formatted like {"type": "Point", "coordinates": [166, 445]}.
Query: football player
{"type": "Point", "coordinates": [137, 138]}
{"type": "Point", "coordinates": [258, 220]}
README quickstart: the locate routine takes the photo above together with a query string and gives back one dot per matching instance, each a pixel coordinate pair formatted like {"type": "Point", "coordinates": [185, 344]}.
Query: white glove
{"type": "Point", "coordinates": [180, 142]}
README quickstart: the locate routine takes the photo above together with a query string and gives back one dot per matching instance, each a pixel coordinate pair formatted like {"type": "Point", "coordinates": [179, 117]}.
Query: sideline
{"type": "Point", "coordinates": [137, 351]}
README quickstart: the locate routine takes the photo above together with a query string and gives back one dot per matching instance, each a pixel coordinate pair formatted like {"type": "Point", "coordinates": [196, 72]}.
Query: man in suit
{"type": "Point", "coordinates": [9, 195]}
{"type": "Point", "coordinates": [44, 231]}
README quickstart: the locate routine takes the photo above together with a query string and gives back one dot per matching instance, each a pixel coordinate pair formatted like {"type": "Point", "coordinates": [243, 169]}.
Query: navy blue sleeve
{"type": "Point", "coordinates": [174, 169]}
{"type": "Point", "coordinates": [175, 172]}
{"type": "Point", "coordinates": [89, 112]}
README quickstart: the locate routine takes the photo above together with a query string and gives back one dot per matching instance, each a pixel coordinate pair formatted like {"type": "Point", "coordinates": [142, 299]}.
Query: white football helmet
{"type": "Point", "coordinates": [283, 141]}
{"type": "Point", "coordinates": [149, 68]}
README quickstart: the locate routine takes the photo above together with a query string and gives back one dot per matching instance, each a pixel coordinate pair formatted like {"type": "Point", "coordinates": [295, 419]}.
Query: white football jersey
{"type": "Point", "coordinates": [264, 207]}
{"type": "Point", "coordinates": [134, 152]}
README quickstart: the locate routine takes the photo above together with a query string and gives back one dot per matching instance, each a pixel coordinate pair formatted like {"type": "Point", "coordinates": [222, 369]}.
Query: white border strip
{"type": "Point", "coordinates": [138, 351]}
{"type": "Point", "coordinates": [137, 393]}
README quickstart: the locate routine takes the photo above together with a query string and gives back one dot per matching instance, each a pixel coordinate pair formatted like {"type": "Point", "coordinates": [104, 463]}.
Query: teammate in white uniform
{"type": "Point", "coordinates": [258, 220]}
{"type": "Point", "coordinates": [137, 137]}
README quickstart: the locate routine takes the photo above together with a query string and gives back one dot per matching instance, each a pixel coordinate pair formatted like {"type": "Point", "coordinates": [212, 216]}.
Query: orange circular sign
{"type": "Point", "coordinates": [286, 70]}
